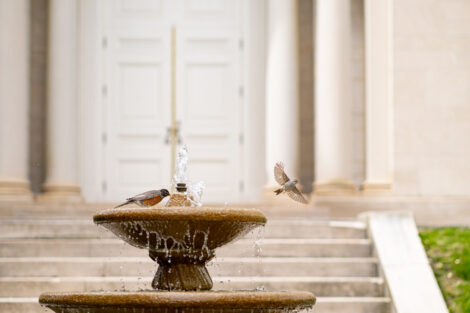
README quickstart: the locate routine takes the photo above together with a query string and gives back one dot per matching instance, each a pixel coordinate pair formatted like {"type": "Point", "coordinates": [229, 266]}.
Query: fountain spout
{"type": "Point", "coordinates": [180, 197]}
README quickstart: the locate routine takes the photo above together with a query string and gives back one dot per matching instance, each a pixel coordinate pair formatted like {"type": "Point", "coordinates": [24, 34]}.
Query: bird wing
{"type": "Point", "coordinates": [296, 195]}
{"type": "Point", "coordinates": [145, 195]}
{"type": "Point", "coordinates": [279, 174]}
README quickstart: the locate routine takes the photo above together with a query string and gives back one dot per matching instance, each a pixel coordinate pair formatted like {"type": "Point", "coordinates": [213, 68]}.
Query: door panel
{"type": "Point", "coordinates": [132, 9]}
{"type": "Point", "coordinates": [137, 56]}
{"type": "Point", "coordinates": [209, 108]}
{"type": "Point", "coordinates": [220, 13]}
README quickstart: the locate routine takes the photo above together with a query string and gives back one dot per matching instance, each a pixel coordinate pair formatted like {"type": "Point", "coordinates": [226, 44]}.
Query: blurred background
{"type": "Point", "coordinates": [366, 102]}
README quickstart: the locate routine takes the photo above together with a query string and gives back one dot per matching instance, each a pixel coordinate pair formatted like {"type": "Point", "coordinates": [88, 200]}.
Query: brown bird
{"type": "Point", "coordinates": [287, 185]}
{"type": "Point", "coordinates": [147, 199]}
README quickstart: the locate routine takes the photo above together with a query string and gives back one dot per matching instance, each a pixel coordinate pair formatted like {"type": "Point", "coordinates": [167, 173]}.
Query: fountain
{"type": "Point", "coordinates": [181, 240]}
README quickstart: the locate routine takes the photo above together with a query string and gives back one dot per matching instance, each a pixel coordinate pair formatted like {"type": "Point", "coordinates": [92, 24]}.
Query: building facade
{"type": "Point", "coordinates": [356, 97]}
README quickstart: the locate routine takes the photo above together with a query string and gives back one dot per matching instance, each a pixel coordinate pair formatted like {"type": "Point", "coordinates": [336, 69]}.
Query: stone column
{"type": "Point", "coordinates": [62, 136]}
{"type": "Point", "coordinates": [379, 96]}
{"type": "Point", "coordinates": [14, 68]}
{"type": "Point", "coordinates": [281, 90]}
{"type": "Point", "coordinates": [332, 98]}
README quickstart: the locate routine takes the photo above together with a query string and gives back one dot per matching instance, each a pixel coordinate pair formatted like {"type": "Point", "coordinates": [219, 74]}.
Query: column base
{"type": "Point", "coordinates": [376, 188]}
{"type": "Point", "coordinates": [334, 187]}
{"type": "Point", "coordinates": [15, 190]}
{"type": "Point", "coordinates": [61, 192]}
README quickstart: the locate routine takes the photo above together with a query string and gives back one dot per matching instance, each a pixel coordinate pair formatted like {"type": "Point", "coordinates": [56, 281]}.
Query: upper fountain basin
{"type": "Point", "coordinates": [180, 231]}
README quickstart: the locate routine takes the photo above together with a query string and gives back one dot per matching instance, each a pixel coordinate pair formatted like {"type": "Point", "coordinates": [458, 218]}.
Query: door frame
{"type": "Point", "coordinates": [92, 122]}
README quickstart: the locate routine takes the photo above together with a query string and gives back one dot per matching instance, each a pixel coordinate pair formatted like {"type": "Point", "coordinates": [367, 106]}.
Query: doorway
{"type": "Point", "coordinates": [137, 101]}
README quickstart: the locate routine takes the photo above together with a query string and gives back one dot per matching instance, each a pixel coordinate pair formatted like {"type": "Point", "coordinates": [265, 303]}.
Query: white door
{"type": "Point", "coordinates": [137, 102]}
{"type": "Point", "coordinates": [209, 100]}
{"type": "Point", "coordinates": [136, 59]}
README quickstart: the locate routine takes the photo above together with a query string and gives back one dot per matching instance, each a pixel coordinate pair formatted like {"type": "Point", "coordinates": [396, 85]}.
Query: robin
{"type": "Point", "coordinates": [287, 185]}
{"type": "Point", "coordinates": [147, 199]}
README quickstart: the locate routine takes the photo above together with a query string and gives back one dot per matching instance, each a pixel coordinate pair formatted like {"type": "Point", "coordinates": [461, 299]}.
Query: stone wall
{"type": "Point", "coordinates": [432, 97]}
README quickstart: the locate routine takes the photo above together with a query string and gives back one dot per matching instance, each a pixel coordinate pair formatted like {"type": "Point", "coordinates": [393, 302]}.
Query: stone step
{"type": "Point", "coordinates": [85, 228]}
{"type": "Point", "coordinates": [321, 286]}
{"type": "Point", "coordinates": [230, 266]}
{"type": "Point", "coordinates": [290, 247]}
{"type": "Point", "coordinates": [323, 305]}
{"type": "Point", "coordinates": [352, 305]}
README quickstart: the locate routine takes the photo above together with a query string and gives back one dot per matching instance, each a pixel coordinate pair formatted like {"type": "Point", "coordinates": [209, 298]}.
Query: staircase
{"type": "Point", "coordinates": [330, 258]}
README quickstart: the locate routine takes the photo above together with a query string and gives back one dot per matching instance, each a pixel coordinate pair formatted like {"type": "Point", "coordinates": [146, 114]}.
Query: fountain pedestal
{"type": "Point", "coordinates": [182, 272]}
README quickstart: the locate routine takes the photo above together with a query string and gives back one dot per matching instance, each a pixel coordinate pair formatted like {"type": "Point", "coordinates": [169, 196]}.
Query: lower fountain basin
{"type": "Point", "coordinates": [173, 302]}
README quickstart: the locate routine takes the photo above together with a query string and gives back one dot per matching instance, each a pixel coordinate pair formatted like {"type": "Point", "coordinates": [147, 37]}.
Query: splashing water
{"type": "Point", "coordinates": [194, 190]}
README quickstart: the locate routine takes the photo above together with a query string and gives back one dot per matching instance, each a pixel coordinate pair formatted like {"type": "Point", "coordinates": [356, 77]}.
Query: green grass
{"type": "Point", "coordinates": [449, 252]}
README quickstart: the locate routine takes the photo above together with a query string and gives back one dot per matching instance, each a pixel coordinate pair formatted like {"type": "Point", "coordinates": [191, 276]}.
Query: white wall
{"type": "Point", "coordinates": [432, 97]}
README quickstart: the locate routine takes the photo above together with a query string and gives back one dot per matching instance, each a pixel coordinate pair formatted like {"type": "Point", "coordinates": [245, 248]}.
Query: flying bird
{"type": "Point", "coordinates": [287, 185]}
{"type": "Point", "coordinates": [147, 199]}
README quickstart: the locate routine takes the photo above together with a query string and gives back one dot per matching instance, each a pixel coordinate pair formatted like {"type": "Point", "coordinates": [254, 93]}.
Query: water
{"type": "Point", "coordinates": [180, 167]}
{"type": "Point", "coordinates": [258, 241]}
{"type": "Point", "coordinates": [194, 190]}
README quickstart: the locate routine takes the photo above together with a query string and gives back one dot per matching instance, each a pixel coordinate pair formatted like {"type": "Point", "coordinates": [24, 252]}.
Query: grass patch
{"type": "Point", "coordinates": [449, 252]}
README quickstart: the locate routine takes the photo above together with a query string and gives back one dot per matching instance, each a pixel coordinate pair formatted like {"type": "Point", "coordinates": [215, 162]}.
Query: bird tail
{"type": "Point", "coordinates": [278, 191]}
{"type": "Point", "coordinates": [122, 204]}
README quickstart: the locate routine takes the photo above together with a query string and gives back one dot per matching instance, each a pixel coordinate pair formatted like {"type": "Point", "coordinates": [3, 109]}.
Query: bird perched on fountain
{"type": "Point", "coordinates": [287, 185]}
{"type": "Point", "coordinates": [147, 199]}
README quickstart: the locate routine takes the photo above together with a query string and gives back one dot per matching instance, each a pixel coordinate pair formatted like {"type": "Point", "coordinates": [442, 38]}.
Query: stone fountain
{"type": "Point", "coordinates": [181, 240]}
